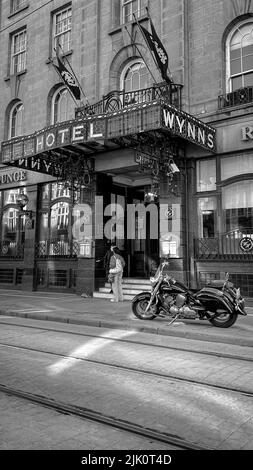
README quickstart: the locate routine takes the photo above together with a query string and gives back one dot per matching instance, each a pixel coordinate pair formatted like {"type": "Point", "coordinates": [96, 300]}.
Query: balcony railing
{"type": "Point", "coordinates": [11, 250]}
{"type": "Point", "coordinates": [56, 248]}
{"type": "Point", "coordinates": [234, 245]}
{"type": "Point", "coordinates": [236, 98]}
{"type": "Point", "coordinates": [116, 100]}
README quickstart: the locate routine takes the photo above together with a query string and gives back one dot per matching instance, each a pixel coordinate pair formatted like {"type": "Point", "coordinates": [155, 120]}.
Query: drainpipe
{"type": "Point", "coordinates": [186, 53]}
{"type": "Point", "coordinates": [97, 65]}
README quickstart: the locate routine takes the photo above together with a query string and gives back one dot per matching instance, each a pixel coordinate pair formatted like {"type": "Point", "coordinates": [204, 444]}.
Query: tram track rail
{"type": "Point", "coordinates": [143, 343]}
{"type": "Point", "coordinates": [91, 415]}
{"type": "Point", "coordinates": [129, 369]}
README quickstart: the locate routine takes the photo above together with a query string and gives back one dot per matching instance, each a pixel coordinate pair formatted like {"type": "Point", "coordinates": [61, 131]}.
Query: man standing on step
{"type": "Point", "coordinates": [117, 264]}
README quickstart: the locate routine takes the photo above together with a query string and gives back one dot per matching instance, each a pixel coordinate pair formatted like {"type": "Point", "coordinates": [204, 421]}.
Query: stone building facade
{"type": "Point", "coordinates": [136, 126]}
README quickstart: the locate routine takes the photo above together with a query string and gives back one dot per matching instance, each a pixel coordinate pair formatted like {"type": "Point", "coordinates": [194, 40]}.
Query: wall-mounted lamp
{"type": "Point", "coordinates": [172, 168]}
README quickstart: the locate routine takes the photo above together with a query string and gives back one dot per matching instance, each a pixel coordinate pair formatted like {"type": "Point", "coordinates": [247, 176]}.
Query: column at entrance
{"type": "Point", "coordinates": [29, 247]}
{"type": "Point", "coordinates": [173, 236]}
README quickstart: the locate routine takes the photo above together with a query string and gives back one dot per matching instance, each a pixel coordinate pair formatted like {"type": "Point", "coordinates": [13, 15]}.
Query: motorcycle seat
{"type": "Point", "coordinates": [218, 283]}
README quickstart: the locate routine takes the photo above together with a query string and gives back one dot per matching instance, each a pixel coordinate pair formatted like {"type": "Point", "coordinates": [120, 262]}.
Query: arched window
{"type": "Point", "coordinates": [16, 120]}
{"type": "Point", "coordinates": [62, 106]}
{"type": "Point", "coordinates": [135, 76]}
{"type": "Point", "coordinates": [12, 226]}
{"type": "Point", "coordinates": [240, 57]}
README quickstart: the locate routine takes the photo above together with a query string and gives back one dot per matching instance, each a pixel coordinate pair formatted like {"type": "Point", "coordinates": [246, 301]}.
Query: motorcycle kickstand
{"type": "Point", "coordinates": [173, 319]}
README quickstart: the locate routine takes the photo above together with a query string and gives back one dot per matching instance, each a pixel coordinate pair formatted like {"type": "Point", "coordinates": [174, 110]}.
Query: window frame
{"type": "Point", "coordinates": [15, 69]}
{"type": "Point", "coordinates": [140, 8]}
{"type": "Point", "coordinates": [229, 76]}
{"type": "Point", "coordinates": [14, 109]}
{"type": "Point", "coordinates": [56, 36]}
{"type": "Point", "coordinates": [53, 118]}
{"type": "Point", "coordinates": [127, 67]}
{"type": "Point", "coordinates": [17, 5]}
{"type": "Point", "coordinates": [18, 220]}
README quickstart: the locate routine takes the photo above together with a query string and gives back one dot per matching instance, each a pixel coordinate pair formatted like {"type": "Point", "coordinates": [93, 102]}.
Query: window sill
{"type": "Point", "coordinates": [119, 27]}
{"type": "Point", "coordinates": [65, 54]}
{"type": "Point", "coordinates": [19, 10]}
{"type": "Point", "coordinates": [23, 72]}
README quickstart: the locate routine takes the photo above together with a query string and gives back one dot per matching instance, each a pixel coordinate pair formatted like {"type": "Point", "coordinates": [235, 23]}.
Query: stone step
{"type": "Point", "coordinates": [106, 290]}
{"type": "Point", "coordinates": [139, 287]}
{"type": "Point", "coordinates": [130, 287]}
{"type": "Point", "coordinates": [102, 295]}
{"type": "Point", "coordinates": [128, 280]}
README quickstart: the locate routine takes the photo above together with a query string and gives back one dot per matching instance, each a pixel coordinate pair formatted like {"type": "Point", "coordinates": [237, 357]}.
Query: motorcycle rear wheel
{"type": "Point", "coordinates": [224, 320]}
{"type": "Point", "coordinates": [139, 306]}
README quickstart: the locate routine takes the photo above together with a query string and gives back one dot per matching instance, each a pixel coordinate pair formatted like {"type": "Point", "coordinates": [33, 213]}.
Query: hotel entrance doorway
{"type": "Point", "coordinates": [140, 249]}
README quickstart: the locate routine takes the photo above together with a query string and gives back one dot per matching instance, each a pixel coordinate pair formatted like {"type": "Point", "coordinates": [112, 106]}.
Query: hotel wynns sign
{"type": "Point", "coordinates": [129, 121]}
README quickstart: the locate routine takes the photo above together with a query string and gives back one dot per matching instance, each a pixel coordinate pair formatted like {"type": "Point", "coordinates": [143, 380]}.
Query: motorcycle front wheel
{"type": "Point", "coordinates": [139, 305]}
{"type": "Point", "coordinates": [224, 320]}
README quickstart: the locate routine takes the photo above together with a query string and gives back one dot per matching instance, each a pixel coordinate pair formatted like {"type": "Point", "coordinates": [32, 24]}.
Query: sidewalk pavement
{"type": "Point", "coordinates": [75, 309]}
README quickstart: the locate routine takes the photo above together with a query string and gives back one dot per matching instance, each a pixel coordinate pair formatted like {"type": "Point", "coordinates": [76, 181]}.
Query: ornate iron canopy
{"type": "Point", "coordinates": [67, 150]}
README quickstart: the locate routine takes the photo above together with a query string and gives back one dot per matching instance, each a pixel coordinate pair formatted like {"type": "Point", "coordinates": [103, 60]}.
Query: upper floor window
{"type": "Point", "coordinates": [62, 106]}
{"type": "Point", "coordinates": [16, 120]}
{"type": "Point", "coordinates": [131, 8]}
{"type": "Point", "coordinates": [134, 77]}
{"type": "Point", "coordinates": [17, 5]}
{"type": "Point", "coordinates": [62, 29]}
{"type": "Point", "coordinates": [18, 52]}
{"type": "Point", "coordinates": [240, 57]}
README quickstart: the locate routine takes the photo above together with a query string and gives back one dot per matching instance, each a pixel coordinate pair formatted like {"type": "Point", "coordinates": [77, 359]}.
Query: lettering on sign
{"type": "Point", "coordinates": [247, 133]}
{"type": "Point", "coordinates": [14, 177]}
{"type": "Point", "coordinates": [188, 127]}
{"type": "Point", "coordinates": [127, 121]}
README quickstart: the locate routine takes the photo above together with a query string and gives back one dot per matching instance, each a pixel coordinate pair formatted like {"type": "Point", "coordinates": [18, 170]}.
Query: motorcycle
{"type": "Point", "coordinates": [219, 302]}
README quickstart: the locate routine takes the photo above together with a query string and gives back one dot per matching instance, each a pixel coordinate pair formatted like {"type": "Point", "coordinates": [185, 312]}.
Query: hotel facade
{"type": "Point", "coordinates": [158, 168]}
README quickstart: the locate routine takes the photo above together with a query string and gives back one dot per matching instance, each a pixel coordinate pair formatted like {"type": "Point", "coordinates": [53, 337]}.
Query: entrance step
{"type": "Point", "coordinates": [130, 288]}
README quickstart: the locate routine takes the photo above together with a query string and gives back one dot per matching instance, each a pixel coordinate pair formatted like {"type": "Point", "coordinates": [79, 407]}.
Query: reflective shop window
{"type": "Point", "coordinates": [238, 165]}
{"type": "Point", "coordinates": [13, 226]}
{"type": "Point", "coordinates": [59, 190]}
{"type": "Point", "coordinates": [206, 175]}
{"type": "Point", "coordinates": [207, 212]}
{"type": "Point", "coordinates": [10, 196]}
{"type": "Point", "coordinates": [237, 207]}
{"type": "Point", "coordinates": [59, 221]}
{"type": "Point", "coordinates": [13, 221]}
